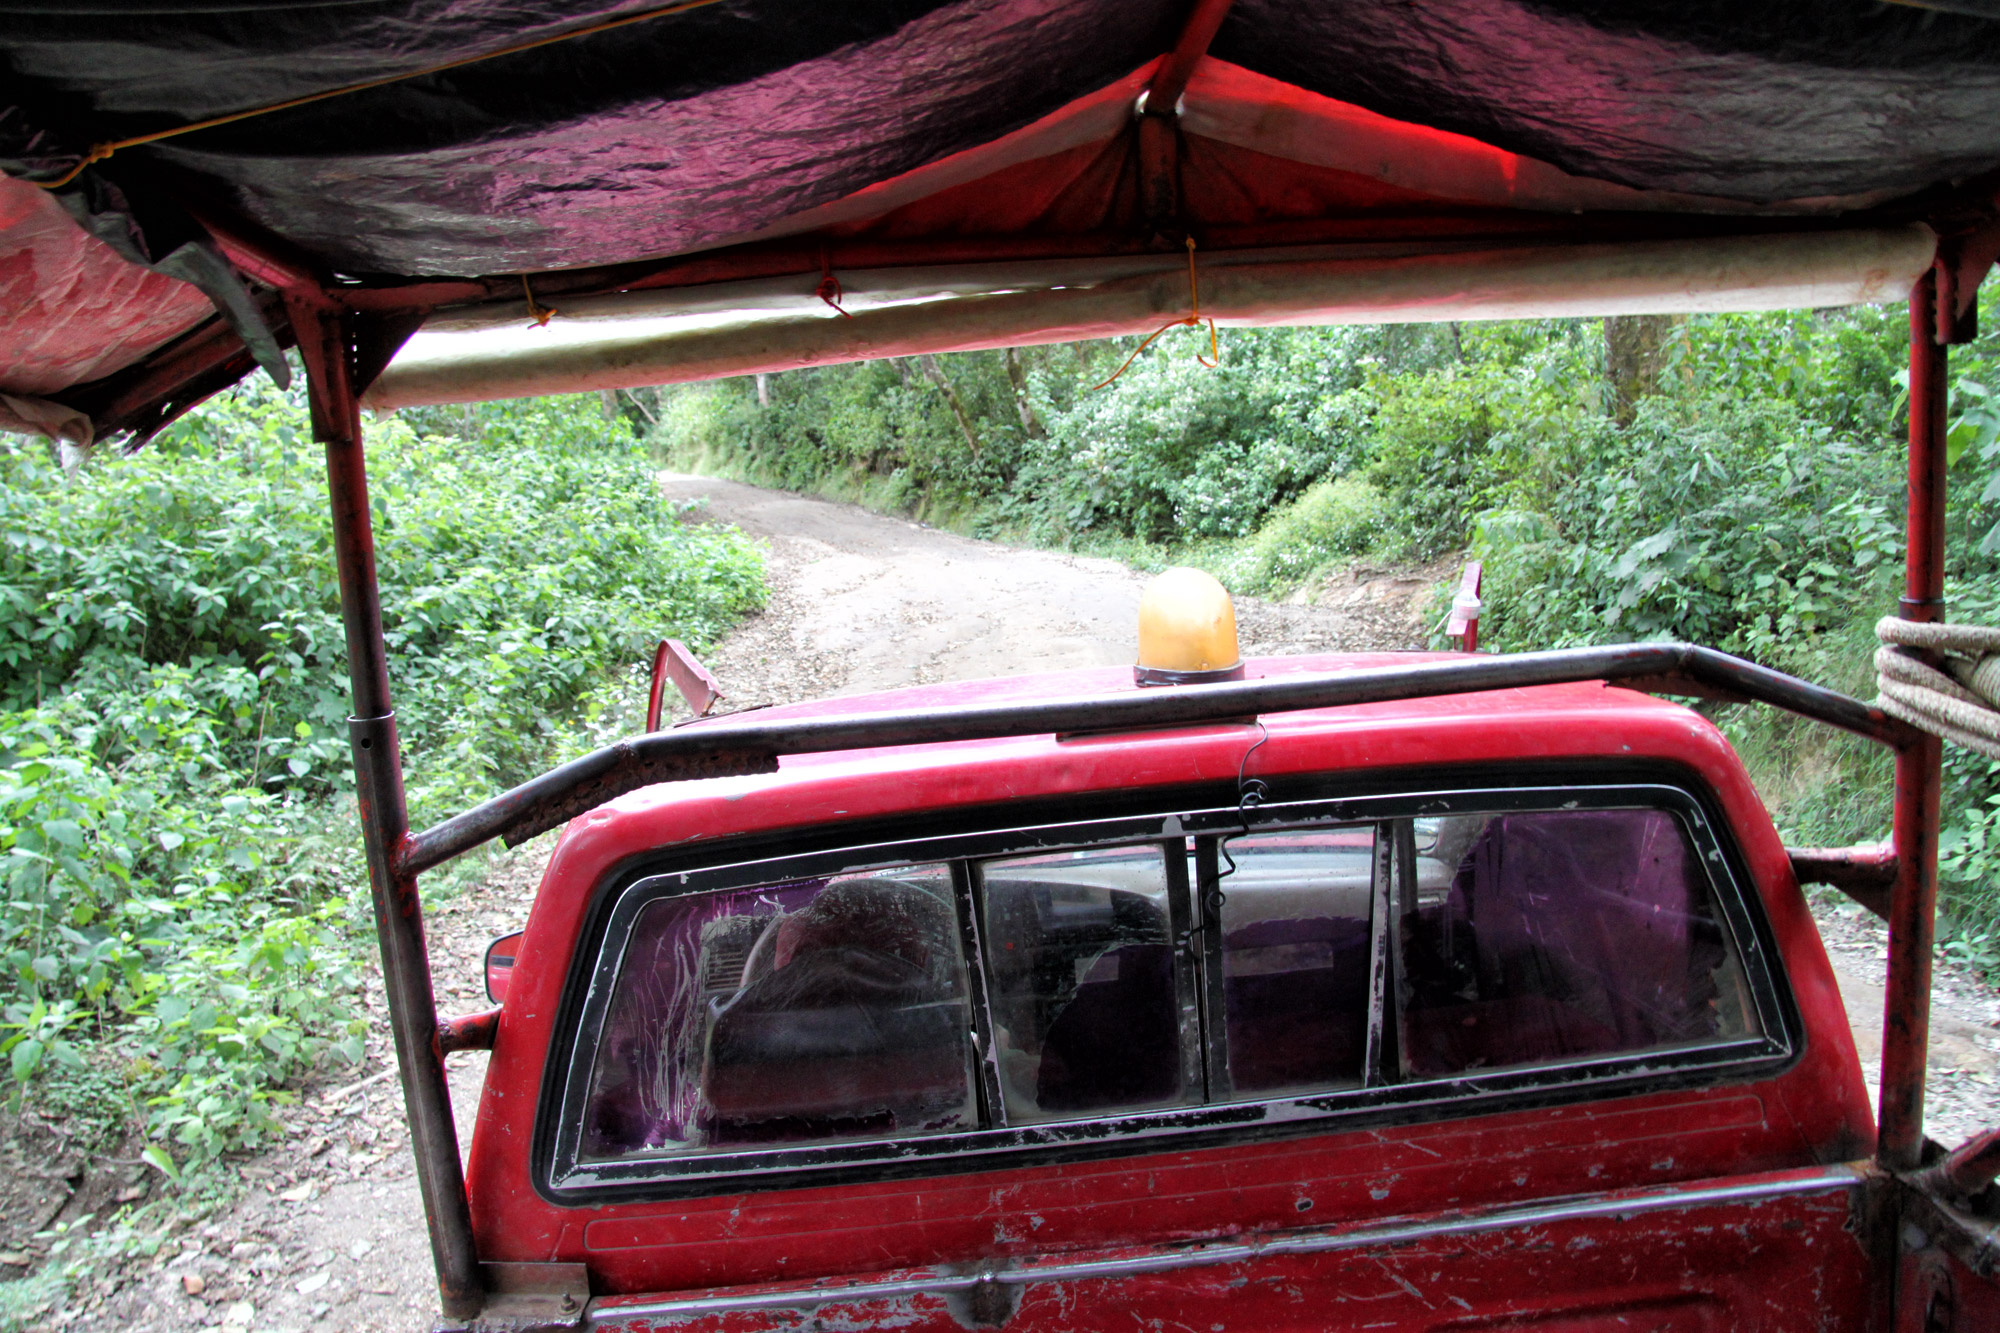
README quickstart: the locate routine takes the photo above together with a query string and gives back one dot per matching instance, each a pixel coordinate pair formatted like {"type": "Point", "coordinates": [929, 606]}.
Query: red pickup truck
{"type": "Point", "coordinates": [1494, 1010]}
{"type": "Point", "coordinates": [1473, 992]}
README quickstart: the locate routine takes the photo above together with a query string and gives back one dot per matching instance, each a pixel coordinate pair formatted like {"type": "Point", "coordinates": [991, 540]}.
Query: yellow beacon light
{"type": "Point", "coordinates": [1187, 631]}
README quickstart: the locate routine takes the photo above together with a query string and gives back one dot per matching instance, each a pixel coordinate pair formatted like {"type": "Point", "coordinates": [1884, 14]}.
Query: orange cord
{"type": "Point", "coordinates": [98, 152]}
{"type": "Point", "coordinates": [541, 314]}
{"type": "Point", "coordinates": [1190, 321]}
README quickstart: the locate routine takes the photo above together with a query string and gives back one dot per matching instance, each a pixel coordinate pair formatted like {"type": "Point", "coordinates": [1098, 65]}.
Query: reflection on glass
{"type": "Point", "coordinates": [1561, 934]}
{"type": "Point", "coordinates": [1295, 954]}
{"type": "Point", "coordinates": [1081, 982]}
{"type": "Point", "coordinates": [819, 1009]}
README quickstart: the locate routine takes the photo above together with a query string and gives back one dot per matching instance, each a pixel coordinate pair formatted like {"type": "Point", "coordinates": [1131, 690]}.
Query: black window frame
{"type": "Point", "coordinates": [1177, 816]}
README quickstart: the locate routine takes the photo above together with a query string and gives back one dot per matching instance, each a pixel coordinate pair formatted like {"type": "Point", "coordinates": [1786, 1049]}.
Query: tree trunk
{"type": "Point", "coordinates": [608, 399]}
{"type": "Point", "coordinates": [763, 391]}
{"type": "Point", "coordinates": [639, 406]}
{"type": "Point", "coordinates": [935, 373]}
{"type": "Point", "coordinates": [1017, 375]}
{"type": "Point", "coordinates": [1635, 347]}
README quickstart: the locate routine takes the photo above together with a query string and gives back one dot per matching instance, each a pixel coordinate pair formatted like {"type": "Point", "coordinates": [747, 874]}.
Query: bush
{"type": "Point", "coordinates": [172, 716]}
{"type": "Point", "coordinates": [1742, 526]}
{"type": "Point", "coordinates": [1452, 443]}
{"type": "Point", "coordinates": [1172, 451]}
{"type": "Point", "coordinates": [513, 575]}
{"type": "Point", "coordinates": [1331, 521]}
{"type": "Point", "coordinates": [882, 429]}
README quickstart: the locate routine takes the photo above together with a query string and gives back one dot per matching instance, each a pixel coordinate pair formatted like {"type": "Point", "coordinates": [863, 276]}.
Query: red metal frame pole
{"type": "Point", "coordinates": [1159, 121]}
{"type": "Point", "coordinates": [1913, 899]}
{"type": "Point", "coordinates": [324, 344]}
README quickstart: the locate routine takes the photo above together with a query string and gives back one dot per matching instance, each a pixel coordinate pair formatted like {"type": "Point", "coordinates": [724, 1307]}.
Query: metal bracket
{"type": "Point", "coordinates": [528, 1298]}
{"type": "Point", "coordinates": [468, 1032]}
{"type": "Point", "coordinates": [1864, 873]}
{"type": "Point", "coordinates": [1963, 260]}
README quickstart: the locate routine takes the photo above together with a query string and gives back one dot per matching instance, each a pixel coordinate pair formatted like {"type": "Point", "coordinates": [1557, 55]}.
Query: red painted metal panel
{"type": "Point", "coordinates": [1464, 622]}
{"type": "Point", "coordinates": [1815, 1112]}
{"type": "Point", "coordinates": [1947, 1270]}
{"type": "Point", "coordinates": [1790, 1262]}
{"type": "Point", "coordinates": [673, 662]}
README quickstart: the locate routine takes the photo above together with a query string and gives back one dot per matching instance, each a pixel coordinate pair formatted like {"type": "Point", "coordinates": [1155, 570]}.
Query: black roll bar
{"type": "Point", "coordinates": [752, 744]}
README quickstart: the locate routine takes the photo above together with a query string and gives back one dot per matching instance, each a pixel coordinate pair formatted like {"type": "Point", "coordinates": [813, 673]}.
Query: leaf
{"type": "Point", "coordinates": [27, 1057]}
{"type": "Point", "coordinates": [156, 1157]}
{"type": "Point", "coordinates": [169, 840]}
{"type": "Point", "coordinates": [1646, 550]}
{"type": "Point", "coordinates": [65, 831]}
{"type": "Point", "coordinates": [1958, 439]}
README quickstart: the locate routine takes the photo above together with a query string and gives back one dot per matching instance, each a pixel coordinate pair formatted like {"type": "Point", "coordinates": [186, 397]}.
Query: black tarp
{"type": "Point", "coordinates": [935, 132]}
{"type": "Point", "coordinates": [695, 128]}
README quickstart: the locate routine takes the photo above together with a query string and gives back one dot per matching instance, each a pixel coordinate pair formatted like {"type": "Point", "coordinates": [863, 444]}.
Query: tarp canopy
{"type": "Point", "coordinates": [976, 172]}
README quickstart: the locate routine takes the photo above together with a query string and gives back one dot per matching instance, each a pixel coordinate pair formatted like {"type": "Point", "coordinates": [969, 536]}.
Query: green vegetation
{"type": "Point", "coordinates": [185, 903]}
{"type": "Point", "coordinates": [184, 914]}
{"type": "Point", "coordinates": [1737, 483]}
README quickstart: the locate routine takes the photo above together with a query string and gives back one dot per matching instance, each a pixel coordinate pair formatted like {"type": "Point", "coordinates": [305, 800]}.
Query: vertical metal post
{"type": "Point", "coordinates": [1159, 135]}
{"type": "Point", "coordinates": [323, 339]}
{"type": "Point", "coordinates": [1913, 899]}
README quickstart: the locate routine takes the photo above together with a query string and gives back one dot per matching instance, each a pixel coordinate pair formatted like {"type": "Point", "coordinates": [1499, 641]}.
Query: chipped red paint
{"type": "Point", "coordinates": [1947, 1263]}
{"type": "Point", "coordinates": [1706, 1266]}
{"type": "Point", "coordinates": [1918, 810]}
{"type": "Point", "coordinates": [1737, 1261]}
{"type": "Point", "coordinates": [470, 1032]}
{"type": "Point", "coordinates": [324, 338]}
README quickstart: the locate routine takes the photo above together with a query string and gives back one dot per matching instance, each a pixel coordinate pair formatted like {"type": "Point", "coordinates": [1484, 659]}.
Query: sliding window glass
{"type": "Point", "coordinates": [1295, 958]}
{"type": "Point", "coordinates": [813, 1010]}
{"type": "Point", "coordinates": [809, 1014]}
{"type": "Point", "coordinates": [1084, 983]}
{"type": "Point", "coordinates": [1551, 935]}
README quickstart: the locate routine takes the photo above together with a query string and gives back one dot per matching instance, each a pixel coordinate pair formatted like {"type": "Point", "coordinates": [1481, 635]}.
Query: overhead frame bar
{"type": "Point", "coordinates": [634, 339]}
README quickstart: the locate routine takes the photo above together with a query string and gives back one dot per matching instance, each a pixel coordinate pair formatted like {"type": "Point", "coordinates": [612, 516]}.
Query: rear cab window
{"type": "Point", "coordinates": [1117, 985]}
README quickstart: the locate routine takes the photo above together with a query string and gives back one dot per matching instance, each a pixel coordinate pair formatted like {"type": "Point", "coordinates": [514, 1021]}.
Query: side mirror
{"type": "Point", "coordinates": [500, 965]}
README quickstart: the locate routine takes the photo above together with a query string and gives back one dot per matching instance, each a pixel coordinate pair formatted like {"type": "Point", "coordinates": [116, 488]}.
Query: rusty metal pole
{"type": "Point", "coordinates": [1913, 899]}
{"type": "Point", "coordinates": [324, 343]}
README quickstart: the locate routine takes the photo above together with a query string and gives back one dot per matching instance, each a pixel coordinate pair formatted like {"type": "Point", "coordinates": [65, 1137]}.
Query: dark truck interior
{"type": "Point", "coordinates": [841, 1008]}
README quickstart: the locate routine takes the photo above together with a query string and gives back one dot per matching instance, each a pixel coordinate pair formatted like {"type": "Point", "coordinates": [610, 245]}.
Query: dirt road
{"type": "Point", "coordinates": [864, 602]}
{"type": "Point", "coordinates": [329, 1233]}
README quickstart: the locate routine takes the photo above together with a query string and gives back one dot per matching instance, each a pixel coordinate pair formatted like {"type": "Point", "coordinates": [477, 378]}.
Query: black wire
{"type": "Point", "coordinates": [1249, 795]}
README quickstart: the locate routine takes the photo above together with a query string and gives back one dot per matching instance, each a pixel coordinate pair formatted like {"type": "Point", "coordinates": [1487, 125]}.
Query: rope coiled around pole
{"type": "Point", "coordinates": [1960, 703]}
